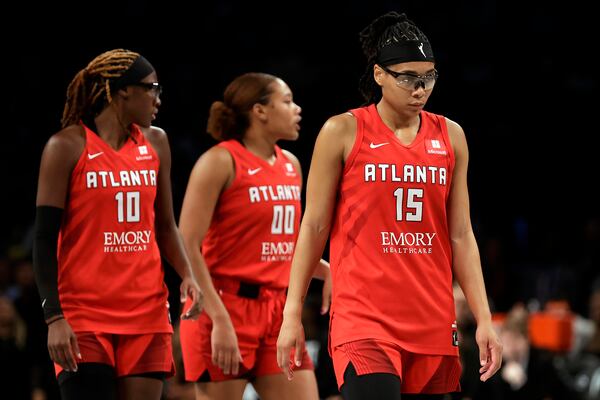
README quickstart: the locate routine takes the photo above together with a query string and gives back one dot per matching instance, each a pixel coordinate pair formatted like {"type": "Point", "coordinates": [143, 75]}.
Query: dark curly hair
{"type": "Point", "coordinates": [391, 27]}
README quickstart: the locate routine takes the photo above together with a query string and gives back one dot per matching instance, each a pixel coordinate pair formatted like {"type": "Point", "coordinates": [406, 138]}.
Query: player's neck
{"type": "Point", "coordinates": [260, 146]}
{"type": "Point", "coordinates": [397, 121]}
{"type": "Point", "coordinates": [112, 129]}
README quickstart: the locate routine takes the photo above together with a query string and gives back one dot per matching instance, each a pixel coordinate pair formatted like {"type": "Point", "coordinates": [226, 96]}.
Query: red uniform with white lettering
{"type": "Point", "coordinates": [251, 239]}
{"type": "Point", "coordinates": [255, 224]}
{"type": "Point", "coordinates": [390, 248]}
{"type": "Point", "coordinates": [110, 276]}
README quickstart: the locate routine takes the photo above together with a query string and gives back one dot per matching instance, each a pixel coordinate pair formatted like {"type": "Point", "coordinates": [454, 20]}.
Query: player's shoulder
{"type": "Point", "coordinates": [457, 137]}
{"type": "Point", "coordinates": [338, 134]}
{"type": "Point", "coordinates": [454, 127]}
{"type": "Point", "coordinates": [157, 137]}
{"type": "Point", "coordinates": [216, 165]}
{"type": "Point", "coordinates": [340, 124]}
{"type": "Point", "coordinates": [290, 156]}
{"type": "Point", "coordinates": [69, 141]}
{"type": "Point", "coordinates": [293, 159]}
{"type": "Point", "coordinates": [154, 134]}
{"type": "Point", "coordinates": [217, 156]}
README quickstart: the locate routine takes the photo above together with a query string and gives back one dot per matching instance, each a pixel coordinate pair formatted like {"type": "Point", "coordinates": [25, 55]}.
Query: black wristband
{"type": "Point", "coordinates": [54, 318]}
{"type": "Point", "coordinates": [45, 264]}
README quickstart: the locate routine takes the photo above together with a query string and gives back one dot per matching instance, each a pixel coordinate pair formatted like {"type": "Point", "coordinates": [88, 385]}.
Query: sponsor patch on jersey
{"type": "Point", "coordinates": [144, 156]}
{"type": "Point", "coordinates": [289, 169]}
{"type": "Point", "coordinates": [435, 146]}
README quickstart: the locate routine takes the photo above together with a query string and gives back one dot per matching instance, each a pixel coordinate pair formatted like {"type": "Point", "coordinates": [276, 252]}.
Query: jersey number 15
{"type": "Point", "coordinates": [413, 211]}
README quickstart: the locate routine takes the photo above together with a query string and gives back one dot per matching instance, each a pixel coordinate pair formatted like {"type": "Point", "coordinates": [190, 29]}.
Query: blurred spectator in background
{"type": "Point", "coordinates": [14, 376]}
{"type": "Point", "coordinates": [593, 346]}
{"type": "Point", "coordinates": [582, 366]}
{"type": "Point", "coordinates": [528, 373]}
{"type": "Point", "coordinates": [470, 384]}
{"type": "Point", "coordinates": [27, 303]}
{"type": "Point", "coordinates": [5, 275]}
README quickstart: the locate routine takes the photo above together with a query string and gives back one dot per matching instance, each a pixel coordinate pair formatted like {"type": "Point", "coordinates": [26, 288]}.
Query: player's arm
{"type": "Point", "coordinates": [168, 237]}
{"type": "Point", "coordinates": [59, 157]}
{"type": "Point", "coordinates": [322, 270]}
{"type": "Point", "coordinates": [465, 256]}
{"type": "Point", "coordinates": [213, 172]}
{"type": "Point", "coordinates": [331, 147]}
{"type": "Point", "coordinates": [210, 175]}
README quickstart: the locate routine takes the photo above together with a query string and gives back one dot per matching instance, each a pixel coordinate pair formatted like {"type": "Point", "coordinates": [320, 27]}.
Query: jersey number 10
{"type": "Point", "coordinates": [128, 206]}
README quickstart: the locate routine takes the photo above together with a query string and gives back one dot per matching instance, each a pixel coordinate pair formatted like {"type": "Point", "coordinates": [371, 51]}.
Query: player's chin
{"type": "Point", "coordinates": [145, 123]}
{"type": "Point", "coordinates": [145, 120]}
{"type": "Point", "coordinates": [293, 134]}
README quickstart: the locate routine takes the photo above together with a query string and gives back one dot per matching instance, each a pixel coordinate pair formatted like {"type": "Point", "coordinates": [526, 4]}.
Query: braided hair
{"type": "Point", "coordinates": [90, 90]}
{"type": "Point", "coordinates": [391, 27]}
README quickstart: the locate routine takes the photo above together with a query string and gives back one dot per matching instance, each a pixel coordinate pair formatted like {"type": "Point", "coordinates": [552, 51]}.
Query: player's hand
{"type": "Point", "coordinates": [189, 287]}
{"type": "Point", "coordinates": [326, 293]}
{"type": "Point", "coordinates": [224, 345]}
{"type": "Point", "coordinates": [62, 345]}
{"type": "Point", "coordinates": [490, 350]}
{"type": "Point", "coordinates": [291, 337]}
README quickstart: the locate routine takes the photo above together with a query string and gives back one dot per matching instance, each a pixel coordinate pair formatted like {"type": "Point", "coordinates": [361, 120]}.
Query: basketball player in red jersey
{"type": "Point", "coordinates": [389, 183]}
{"type": "Point", "coordinates": [239, 221]}
{"type": "Point", "coordinates": [104, 200]}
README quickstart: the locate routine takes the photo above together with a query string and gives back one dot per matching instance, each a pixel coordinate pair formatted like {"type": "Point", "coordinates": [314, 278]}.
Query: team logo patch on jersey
{"type": "Point", "coordinates": [143, 154]}
{"type": "Point", "coordinates": [434, 146]}
{"type": "Point", "coordinates": [289, 169]}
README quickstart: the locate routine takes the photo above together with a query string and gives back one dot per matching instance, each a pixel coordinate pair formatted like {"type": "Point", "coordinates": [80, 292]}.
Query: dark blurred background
{"type": "Point", "coordinates": [520, 79]}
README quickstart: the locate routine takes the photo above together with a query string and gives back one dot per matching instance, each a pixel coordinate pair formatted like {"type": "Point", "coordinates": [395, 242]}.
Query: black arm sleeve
{"type": "Point", "coordinates": [45, 264]}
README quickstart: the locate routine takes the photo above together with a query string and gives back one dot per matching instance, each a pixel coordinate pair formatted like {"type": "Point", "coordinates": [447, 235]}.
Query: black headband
{"type": "Point", "coordinates": [137, 71]}
{"type": "Point", "coordinates": [401, 52]}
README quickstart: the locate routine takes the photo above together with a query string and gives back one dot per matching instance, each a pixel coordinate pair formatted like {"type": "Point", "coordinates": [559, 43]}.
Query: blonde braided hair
{"type": "Point", "coordinates": [89, 91]}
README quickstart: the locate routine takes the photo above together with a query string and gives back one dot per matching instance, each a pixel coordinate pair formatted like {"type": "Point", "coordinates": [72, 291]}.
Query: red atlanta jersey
{"type": "Point", "coordinates": [255, 224]}
{"type": "Point", "coordinates": [390, 249]}
{"type": "Point", "coordinates": [110, 276]}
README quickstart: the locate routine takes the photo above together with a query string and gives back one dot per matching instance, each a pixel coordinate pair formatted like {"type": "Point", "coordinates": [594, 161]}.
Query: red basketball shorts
{"type": "Point", "coordinates": [256, 322]}
{"type": "Point", "coordinates": [127, 354]}
{"type": "Point", "coordinates": [419, 373]}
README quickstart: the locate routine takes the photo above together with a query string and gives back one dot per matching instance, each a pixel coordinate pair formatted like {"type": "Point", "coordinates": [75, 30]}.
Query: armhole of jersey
{"type": "Point", "coordinates": [448, 143]}
{"type": "Point", "coordinates": [285, 158]}
{"type": "Point", "coordinates": [81, 160]}
{"type": "Point", "coordinates": [357, 143]}
{"type": "Point", "coordinates": [148, 143]}
{"type": "Point", "coordinates": [236, 168]}
{"type": "Point", "coordinates": [446, 137]}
